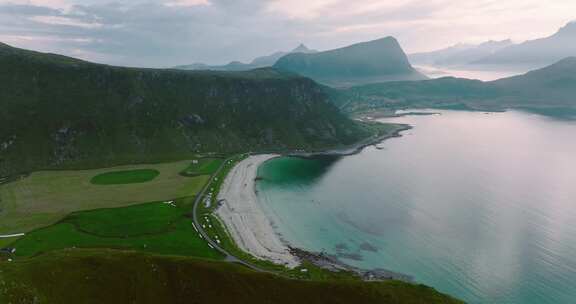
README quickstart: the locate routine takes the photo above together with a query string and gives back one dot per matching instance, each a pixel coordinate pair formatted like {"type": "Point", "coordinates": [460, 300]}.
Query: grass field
{"type": "Point", "coordinates": [135, 220]}
{"type": "Point", "coordinates": [125, 177]}
{"type": "Point", "coordinates": [203, 166]}
{"type": "Point", "coordinates": [46, 197]}
{"type": "Point", "coordinates": [111, 276]}
{"type": "Point", "coordinates": [7, 241]}
{"type": "Point", "coordinates": [152, 227]}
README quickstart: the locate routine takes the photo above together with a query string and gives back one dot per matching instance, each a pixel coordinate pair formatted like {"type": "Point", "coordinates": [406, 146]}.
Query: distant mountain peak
{"type": "Point", "coordinates": [302, 49]}
{"type": "Point", "coordinates": [258, 62]}
{"type": "Point", "coordinates": [384, 42]}
{"type": "Point", "coordinates": [5, 46]}
{"type": "Point", "coordinates": [462, 45]}
{"type": "Point", "coordinates": [568, 29]}
{"type": "Point", "coordinates": [388, 39]}
{"type": "Point", "coordinates": [505, 42]}
{"type": "Point", "coordinates": [568, 61]}
{"type": "Point", "coordinates": [539, 52]}
{"type": "Point", "coordinates": [460, 54]}
{"type": "Point", "coordinates": [365, 62]}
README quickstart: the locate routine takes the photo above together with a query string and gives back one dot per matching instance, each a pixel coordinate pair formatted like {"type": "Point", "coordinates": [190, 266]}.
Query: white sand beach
{"type": "Point", "coordinates": [244, 218]}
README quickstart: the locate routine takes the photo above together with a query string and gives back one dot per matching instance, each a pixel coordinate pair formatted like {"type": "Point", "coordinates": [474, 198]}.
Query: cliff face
{"type": "Point", "coordinates": [61, 112]}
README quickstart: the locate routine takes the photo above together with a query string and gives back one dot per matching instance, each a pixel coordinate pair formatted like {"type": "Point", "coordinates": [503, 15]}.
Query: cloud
{"type": "Point", "coordinates": [187, 2]}
{"type": "Point", "coordinates": [28, 10]}
{"type": "Point", "coordinates": [170, 32]}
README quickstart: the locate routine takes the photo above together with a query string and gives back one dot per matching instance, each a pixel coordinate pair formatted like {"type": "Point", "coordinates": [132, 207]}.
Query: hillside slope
{"type": "Point", "coordinates": [367, 62]}
{"type": "Point", "coordinates": [109, 276]}
{"type": "Point", "coordinates": [60, 112]}
{"type": "Point", "coordinates": [550, 87]}
{"type": "Point", "coordinates": [555, 83]}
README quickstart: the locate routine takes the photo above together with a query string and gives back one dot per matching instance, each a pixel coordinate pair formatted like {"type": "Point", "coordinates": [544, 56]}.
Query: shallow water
{"type": "Point", "coordinates": [480, 206]}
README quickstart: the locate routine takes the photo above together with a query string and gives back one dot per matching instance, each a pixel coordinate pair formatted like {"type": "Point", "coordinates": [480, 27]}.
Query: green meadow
{"type": "Point", "coordinates": [141, 219]}
{"type": "Point", "coordinates": [203, 166]}
{"type": "Point", "coordinates": [158, 227]}
{"type": "Point", "coordinates": [46, 197]}
{"type": "Point", "coordinates": [4, 242]}
{"type": "Point", "coordinates": [125, 177]}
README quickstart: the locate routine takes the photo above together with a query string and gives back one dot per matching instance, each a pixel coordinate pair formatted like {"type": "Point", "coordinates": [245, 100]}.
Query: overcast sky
{"type": "Point", "coordinates": [169, 32]}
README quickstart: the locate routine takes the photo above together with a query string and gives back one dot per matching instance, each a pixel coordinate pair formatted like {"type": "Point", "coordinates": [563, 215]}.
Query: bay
{"type": "Point", "coordinates": [481, 206]}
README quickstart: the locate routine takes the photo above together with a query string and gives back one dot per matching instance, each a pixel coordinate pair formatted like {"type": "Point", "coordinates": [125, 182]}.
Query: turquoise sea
{"type": "Point", "coordinates": [480, 206]}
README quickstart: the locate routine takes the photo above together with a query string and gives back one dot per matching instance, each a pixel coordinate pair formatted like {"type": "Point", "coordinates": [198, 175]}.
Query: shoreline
{"type": "Point", "coordinates": [252, 229]}
{"type": "Point", "coordinates": [244, 218]}
{"type": "Point", "coordinates": [333, 263]}
{"type": "Point", "coordinates": [357, 147]}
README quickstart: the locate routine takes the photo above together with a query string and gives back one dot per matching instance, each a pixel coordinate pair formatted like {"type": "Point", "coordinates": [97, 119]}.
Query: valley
{"type": "Point", "coordinates": [344, 173]}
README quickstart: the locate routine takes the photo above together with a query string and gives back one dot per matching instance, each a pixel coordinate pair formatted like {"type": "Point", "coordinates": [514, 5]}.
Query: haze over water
{"type": "Point", "coordinates": [480, 206]}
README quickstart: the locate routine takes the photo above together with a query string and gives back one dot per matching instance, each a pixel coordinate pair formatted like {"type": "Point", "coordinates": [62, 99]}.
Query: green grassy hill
{"type": "Point", "coordinates": [60, 112]}
{"type": "Point", "coordinates": [108, 276]}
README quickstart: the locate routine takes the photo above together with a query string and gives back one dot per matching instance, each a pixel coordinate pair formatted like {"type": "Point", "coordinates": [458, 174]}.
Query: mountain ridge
{"type": "Point", "coordinates": [537, 52]}
{"type": "Point", "coordinates": [459, 54]}
{"type": "Point", "coordinates": [59, 112]}
{"type": "Point", "coordinates": [258, 62]}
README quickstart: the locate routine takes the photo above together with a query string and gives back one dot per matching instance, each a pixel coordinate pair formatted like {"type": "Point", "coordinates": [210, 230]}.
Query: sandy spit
{"type": "Point", "coordinates": [244, 218]}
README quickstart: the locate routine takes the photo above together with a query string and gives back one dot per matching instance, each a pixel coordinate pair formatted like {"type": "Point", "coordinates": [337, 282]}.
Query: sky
{"type": "Point", "coordinates": [165, 33]}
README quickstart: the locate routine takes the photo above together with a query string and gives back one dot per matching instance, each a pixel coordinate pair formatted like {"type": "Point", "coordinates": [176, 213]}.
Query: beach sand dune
{"type": "Point", "coordinates": [244, 218]}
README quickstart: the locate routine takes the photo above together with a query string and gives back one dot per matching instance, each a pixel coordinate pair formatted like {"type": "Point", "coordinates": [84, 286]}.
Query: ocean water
{"type": "Point", "coordinates": [479, 72]}
{"type": "Point", "coordinates": [479, 206]}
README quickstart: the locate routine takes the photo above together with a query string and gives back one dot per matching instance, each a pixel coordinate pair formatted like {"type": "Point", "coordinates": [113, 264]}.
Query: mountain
{"type": "Point", "coordinates": [554, 84]}
{"type": "Point", "coordinates": [270, 60]}
{"type": "Point", "coordinates": [552, 87]}
{"type": "Point", "coordinates": [539, 52]}
{"type": "Point", "coordinates": [231, 66]}
{"type": "Point", "coordinates": [367, 62]}
{"type": "Point", "coordinates": [460, 54]}
{"type": "Point", "coordinates": [430, 58]}
{"type": "Point", "coordinates": [61, 112]}
{"type": "Point", "coordinates": [258, 62]}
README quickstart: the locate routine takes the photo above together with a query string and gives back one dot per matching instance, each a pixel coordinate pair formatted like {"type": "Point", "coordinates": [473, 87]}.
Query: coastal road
{"type": "Point", "coordinates": [341, 151]}
{"type": "Point", "coordinates": [198, 200]}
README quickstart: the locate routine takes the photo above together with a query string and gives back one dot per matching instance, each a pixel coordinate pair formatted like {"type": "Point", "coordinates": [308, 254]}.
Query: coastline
{"type": "Point", "coordinates": [244, 218]}
{"type": "Point", "coordinates": [357, 147]}
{"type": "Point", "coordinates": [252, 230]}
